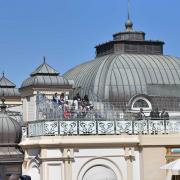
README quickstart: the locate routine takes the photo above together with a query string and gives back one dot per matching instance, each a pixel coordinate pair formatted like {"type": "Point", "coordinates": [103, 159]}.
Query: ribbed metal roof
{"type": "Point", "coordinates": [10, 137]}
{"type": "Point", "coordinates": [10, 130]}
{"type": "Point", "coordinates": [119, 76]}
{"type": "Point", "coordinates": [8, 88]}
{"type": "Point", "coordinates": [45, 75]}
{"type": "Point", "coordinates": [11, 154]}
{"type": "Point", "coordinates": [45, 81]}
{"type": "Point", "coordinates": [9, 92]}
{"type": "Point", "coordinates": [6, 83]}
{"type": "Point", "coordinates": [45, 69]}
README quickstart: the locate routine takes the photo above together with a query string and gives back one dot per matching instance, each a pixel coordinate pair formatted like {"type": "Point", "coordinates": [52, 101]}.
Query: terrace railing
{"type": "Point", "coordinates": [102, 127]}
{"type": "Point", "coordinates": [100, 119]}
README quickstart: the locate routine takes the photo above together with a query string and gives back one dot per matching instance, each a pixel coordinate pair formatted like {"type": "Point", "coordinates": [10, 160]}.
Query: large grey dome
{"type": "Point", "coordinates": [10, 130]}
{"type": "Point", "coordinates": [116, 77]}
{"type": "Point", "coordinates": [127, 66]}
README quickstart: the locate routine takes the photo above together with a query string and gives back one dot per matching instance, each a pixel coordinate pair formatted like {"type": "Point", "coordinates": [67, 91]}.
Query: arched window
{"type": "Point", "coordinates": [141, 102]}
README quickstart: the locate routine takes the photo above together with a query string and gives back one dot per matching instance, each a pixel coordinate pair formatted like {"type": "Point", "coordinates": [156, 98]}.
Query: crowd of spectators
{"type": "Point", "coordinates": [154, 114]}
{"type": "Point", "coordinates": [79, 107]}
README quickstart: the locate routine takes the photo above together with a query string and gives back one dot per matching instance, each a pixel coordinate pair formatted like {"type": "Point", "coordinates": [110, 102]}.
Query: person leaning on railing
{"type": "Point", "coordinates": [154, 114]}
{"type": "Point", "coordinates": [67, 110]}
{"type": "Point", "coordinates": [55, 98]}
{"type": "Point", "coordinates": [140, 114]}
{"type": "Point", "coordinates": [164, 115]}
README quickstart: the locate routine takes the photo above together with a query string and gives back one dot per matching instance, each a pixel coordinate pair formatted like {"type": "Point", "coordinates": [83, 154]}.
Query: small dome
{"type": "Point", "coordinates": [8, 88]}
{"type": "Point", "coordinates": [45, 81]}
{"type": "Point", "coordinates": [45, 76]}
{"type": "Point", "coordinates": [10, 130]}
{"type": "Point", "coordinates": [9, 92]}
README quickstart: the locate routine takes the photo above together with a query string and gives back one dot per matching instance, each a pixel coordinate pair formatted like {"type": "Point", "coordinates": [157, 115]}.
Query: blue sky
{"type": "Point", "coordinates": [66, 31]}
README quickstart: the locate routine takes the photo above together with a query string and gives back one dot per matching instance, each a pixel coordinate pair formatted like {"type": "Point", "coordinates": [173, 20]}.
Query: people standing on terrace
{"type": "Point", "coordinates": [77, 99]}
{"type": "Point", "coordinates": [55, 98]}
{"type": "Point", "coordinates": [154, 114]}
{"type": "Point", "coordinates": [61, 101]}
{"type": "Point", "coordinates": [75, 104]}
{"type": "Point", "coordinates": [67, 110]}
{"type": "Point", "coordinates": [140, 114]}
{"type": "Point", "coordinates": [86, 99]}
{"type": "Point", "coordinates": [164, 114]}
{"type": "Point", "coordinates": [79, 107]}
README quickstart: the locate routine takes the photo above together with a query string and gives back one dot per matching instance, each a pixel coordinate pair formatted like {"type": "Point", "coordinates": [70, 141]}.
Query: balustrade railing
{"type": "Point", "coordinates": [98, 118]}
{"type": "Point", "coordinates": [102, 127]}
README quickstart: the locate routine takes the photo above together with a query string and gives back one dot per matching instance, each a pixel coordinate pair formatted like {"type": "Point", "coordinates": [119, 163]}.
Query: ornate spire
{"type": "Point", "coordinates": [129, 23]}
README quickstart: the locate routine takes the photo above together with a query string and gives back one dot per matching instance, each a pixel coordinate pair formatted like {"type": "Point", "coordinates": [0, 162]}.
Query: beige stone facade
{"type": "Point", "coordinates": [131, 157]}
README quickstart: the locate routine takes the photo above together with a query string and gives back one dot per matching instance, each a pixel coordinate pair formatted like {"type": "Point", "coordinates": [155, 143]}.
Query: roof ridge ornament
{"type": "Point", "coordinates": [44, 59]}
{"type": "Point", "coordinates": [3, 73]}
{"type": "Point", "coordinates": [129, 23]}
{"type": "Point", "coordinates": [128, 9]}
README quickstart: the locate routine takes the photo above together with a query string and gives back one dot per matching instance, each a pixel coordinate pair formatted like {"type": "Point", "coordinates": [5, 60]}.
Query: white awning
{"type": "Point", "coordinates": [174, 166]}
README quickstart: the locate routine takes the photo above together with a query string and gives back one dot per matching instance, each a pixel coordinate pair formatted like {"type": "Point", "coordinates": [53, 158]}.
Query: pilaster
{"type": "Point", "coordinates": [68, 158]}
{"type": "Point", "coordinates": [129, 157]}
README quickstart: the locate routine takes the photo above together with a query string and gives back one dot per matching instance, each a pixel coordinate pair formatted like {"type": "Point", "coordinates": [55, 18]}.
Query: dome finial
{"type": "Point", "coordinates": [3, 73]}
{"type": "Point", "coordinates": [128, 9]}
{"type": "Point", "coordinates": [129, 24]}
{"type": "Point", "coordinates": [44, 59]}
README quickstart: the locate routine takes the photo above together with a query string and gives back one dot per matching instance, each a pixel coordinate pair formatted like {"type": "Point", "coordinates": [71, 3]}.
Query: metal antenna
{"type": "Point", "coordinates": [128, 9]}
{"type": "Point", "coordinates": [129, 23]}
